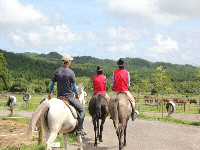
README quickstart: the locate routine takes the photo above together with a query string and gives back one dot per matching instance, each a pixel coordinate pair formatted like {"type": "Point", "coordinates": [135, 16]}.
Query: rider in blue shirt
{"type": "Point", "coordinates": [65, 79]}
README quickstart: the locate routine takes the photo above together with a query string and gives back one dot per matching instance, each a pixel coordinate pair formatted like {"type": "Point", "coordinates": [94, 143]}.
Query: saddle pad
{"type": "Point", "coordinates": [122, 92]}
{"type": "Point", "coordinates": [72, 109]}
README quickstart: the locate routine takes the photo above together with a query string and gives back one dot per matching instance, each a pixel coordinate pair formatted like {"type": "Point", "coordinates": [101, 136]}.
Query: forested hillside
{"type": "Point", "coordinates": [34, 71]}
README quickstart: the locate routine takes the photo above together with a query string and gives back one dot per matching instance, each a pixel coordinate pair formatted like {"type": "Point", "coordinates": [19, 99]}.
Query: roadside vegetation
{"type": "Point", "coordinates": [168, 119]}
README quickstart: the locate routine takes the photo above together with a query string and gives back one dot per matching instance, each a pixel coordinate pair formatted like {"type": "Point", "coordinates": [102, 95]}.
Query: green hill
{"type": "Point", "coordinates": [39, 66]}
{"type": "Point", "coordinates": [33, 68]}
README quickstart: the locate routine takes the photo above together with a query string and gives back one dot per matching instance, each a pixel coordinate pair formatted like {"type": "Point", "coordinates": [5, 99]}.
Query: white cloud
{"type": "Point", "coordinates": [28, 28]}
{"type": "Point", "coordinates": [117, 39]}
{"type": "Point", "coordinates": [164, 45]}
{"type": "Point", "coordinates": [47, 37]}
{"type": "Point", "coordinates": [187, 57]}
{"type": "Point", "coordinates": [184, 8]}
{"type": "Point", "coordinates": [17, 40]}
{"type": "Point", "coordinates": [128, 47]}
{"type": "Point", "coordinates": [162, 12]}
{"type": "Point", "coordinates": [15, 15]}
{"type": "Point", "coordinates": [111, 34]}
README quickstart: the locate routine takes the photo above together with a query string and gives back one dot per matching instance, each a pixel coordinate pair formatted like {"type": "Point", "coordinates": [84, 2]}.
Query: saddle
{"type": "Point", "coordinates": [122, 92]}
{"type": "Point", "coordinates": [72, 109]}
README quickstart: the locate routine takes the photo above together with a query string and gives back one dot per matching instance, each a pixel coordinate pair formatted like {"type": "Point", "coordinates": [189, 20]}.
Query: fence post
{"type": "Point", "coordinates": [26, 105]}
{"type": "Point", "coordinates": [11, 112]}
{"type": "Point", "coordinates": [199, 104]}
{"type": "Point", "coordinates": [162, 107]}
{"type": "Point", "coordinates": [169, 110]}
{"type": "Point", "coordinates": [184, 104]}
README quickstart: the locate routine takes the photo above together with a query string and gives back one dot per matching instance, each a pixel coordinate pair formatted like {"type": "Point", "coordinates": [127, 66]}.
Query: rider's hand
{"type": "Point", "coordinates": [77, 97]}
{"type": "Point", "coordinates": [49, 96]}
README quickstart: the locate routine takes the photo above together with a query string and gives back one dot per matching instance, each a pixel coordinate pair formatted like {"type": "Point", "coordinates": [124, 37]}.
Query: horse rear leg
{"type": "Point", "coordinates": [120, 132]}
{"type": "Point", "coordinates": [95, 132]}
{"type": "Point", "coordinates": [124, 137]}
{"type": "Point", "coordinates": [51, 139]}
{"type": "Point", "coordinates": [101, 130]}
{"type": "Point", "coordinates": [119, 135]}
{"type": "Point", "coordinates": [98, 129]}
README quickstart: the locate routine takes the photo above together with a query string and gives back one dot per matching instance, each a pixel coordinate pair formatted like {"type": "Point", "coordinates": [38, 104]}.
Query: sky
{"type": "Point", "coordinates": [154, 30]}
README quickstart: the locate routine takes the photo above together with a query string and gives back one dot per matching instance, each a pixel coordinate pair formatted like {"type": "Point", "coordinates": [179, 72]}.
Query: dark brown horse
{"type": "Point", "coordinates": [98, 109]}
{"type": "Point", "coordinates": [120, 109]}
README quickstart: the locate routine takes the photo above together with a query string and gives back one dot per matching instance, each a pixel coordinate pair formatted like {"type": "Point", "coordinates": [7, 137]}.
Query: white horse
{"type": "Point", "coordinates": [55, 117]}
{"type": "Point", "coordinates": [82, 94]}
{"type": "Point", "coordinates": [11, 102]}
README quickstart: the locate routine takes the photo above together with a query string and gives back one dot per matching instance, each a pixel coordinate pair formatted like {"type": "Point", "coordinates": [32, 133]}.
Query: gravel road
{"type": "Point", "coordinates": [141, 135]}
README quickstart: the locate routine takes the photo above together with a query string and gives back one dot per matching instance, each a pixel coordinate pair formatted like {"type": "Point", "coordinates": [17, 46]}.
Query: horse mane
{"type": "Point", "coordinates": [80, 88]}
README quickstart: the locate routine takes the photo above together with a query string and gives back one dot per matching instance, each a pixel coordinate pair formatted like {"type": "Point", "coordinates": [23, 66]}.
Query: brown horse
{"type": "Point", "coordinates": [98, 109]}
{"type": "Point", "coordinates": [120, 109]}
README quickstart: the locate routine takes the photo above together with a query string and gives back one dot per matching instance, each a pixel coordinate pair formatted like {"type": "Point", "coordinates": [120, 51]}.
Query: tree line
{"type": "Point", "coordinates": [32, 71]}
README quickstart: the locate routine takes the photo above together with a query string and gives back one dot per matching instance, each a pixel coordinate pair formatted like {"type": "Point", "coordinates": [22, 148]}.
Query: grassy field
{"type": "Point", "coordinates": [36, 98]}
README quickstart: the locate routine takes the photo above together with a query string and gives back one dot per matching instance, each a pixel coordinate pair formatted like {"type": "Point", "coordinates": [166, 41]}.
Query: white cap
{"type": "Point", "coordinates": [66, 58]}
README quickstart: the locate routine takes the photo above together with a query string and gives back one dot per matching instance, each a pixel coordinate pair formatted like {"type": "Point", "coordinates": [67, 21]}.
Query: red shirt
{"type": "Point", "coordinates": [99, 83]}
{"type": "Point", "coordinates": [121, 80]}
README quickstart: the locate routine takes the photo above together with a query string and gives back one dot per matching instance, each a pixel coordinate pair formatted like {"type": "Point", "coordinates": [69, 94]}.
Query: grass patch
{"type": "Point", "coordinates": [168, 119]}
{"type": "Point", "coordinates": [71, 139]}
{"type": "Point", "coordinates": [20, 120]}
{"type": "Point", "coordinates": [32, 147]}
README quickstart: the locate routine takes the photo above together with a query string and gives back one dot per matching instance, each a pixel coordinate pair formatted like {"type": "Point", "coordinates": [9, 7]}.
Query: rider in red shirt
{"type": "Point", "coordinates": [121, 82]}
{"type": "Point", "coordinates": [99, 83]}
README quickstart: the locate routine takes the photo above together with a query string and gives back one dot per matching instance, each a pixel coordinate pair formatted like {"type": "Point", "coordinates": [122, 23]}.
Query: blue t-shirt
{"type": "Point", "coordinates": [64, 78]}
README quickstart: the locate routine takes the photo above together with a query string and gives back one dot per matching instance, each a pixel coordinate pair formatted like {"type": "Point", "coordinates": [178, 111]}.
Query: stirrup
{"type": "Point", "coordinates": [80, 133]}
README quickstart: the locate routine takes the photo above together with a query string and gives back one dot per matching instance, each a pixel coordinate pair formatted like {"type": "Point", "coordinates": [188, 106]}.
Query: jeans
{"type": "Point", "coordinates": [77, 105]}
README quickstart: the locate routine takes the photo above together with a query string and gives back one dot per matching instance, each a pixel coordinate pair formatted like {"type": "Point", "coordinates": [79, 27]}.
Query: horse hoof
{"type": "Point", "coordinates": [100, 140]}
{"type": "Point", "coordinates": [121, 147]}
{"type": "Point", "coordinates": [95, 144]}
{"type": "Point", "coordinates": [124, 144]}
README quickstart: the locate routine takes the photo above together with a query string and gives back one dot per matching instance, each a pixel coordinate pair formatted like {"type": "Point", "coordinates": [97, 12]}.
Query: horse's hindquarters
{"type": "Point", "coordinates": [60, 117]}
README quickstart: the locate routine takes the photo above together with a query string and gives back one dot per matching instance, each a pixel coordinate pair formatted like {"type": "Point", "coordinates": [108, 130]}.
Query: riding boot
{"type": "Point", "coordinates": [80, 127]}
{"type": "Point", "coordinates": [133, 116]}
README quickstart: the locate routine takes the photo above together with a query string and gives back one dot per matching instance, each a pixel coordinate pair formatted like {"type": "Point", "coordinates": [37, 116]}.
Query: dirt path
{"type": "Point", "coordinates": [142, 135]}
{"type": "Point", "coordinates": [145, 135]}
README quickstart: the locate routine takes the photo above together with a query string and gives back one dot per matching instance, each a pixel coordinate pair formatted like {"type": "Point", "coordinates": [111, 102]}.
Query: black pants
{"type": "Point", "coordinates": [77, 105]}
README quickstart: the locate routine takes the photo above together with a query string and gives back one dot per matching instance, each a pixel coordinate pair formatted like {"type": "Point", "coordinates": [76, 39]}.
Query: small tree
{"type": "Point", "coordinates": [4, 76]}
{"type": "Point", "coordinates": [140, 85]}
{"type": "Point", "coordinates": [198, 75]}
{"type": "Point", "coordinates": [161, 82]}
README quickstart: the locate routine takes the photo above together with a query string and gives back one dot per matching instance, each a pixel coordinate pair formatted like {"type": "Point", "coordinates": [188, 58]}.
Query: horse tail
{"type": "Point", "coordinates": [98, 106]}
{"type": "Point", "coordinates": [38, 114]}
{"type": "Point", "coordinates": [8, 102]}
{"type": "Point", "coordinates": [115, 116]}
